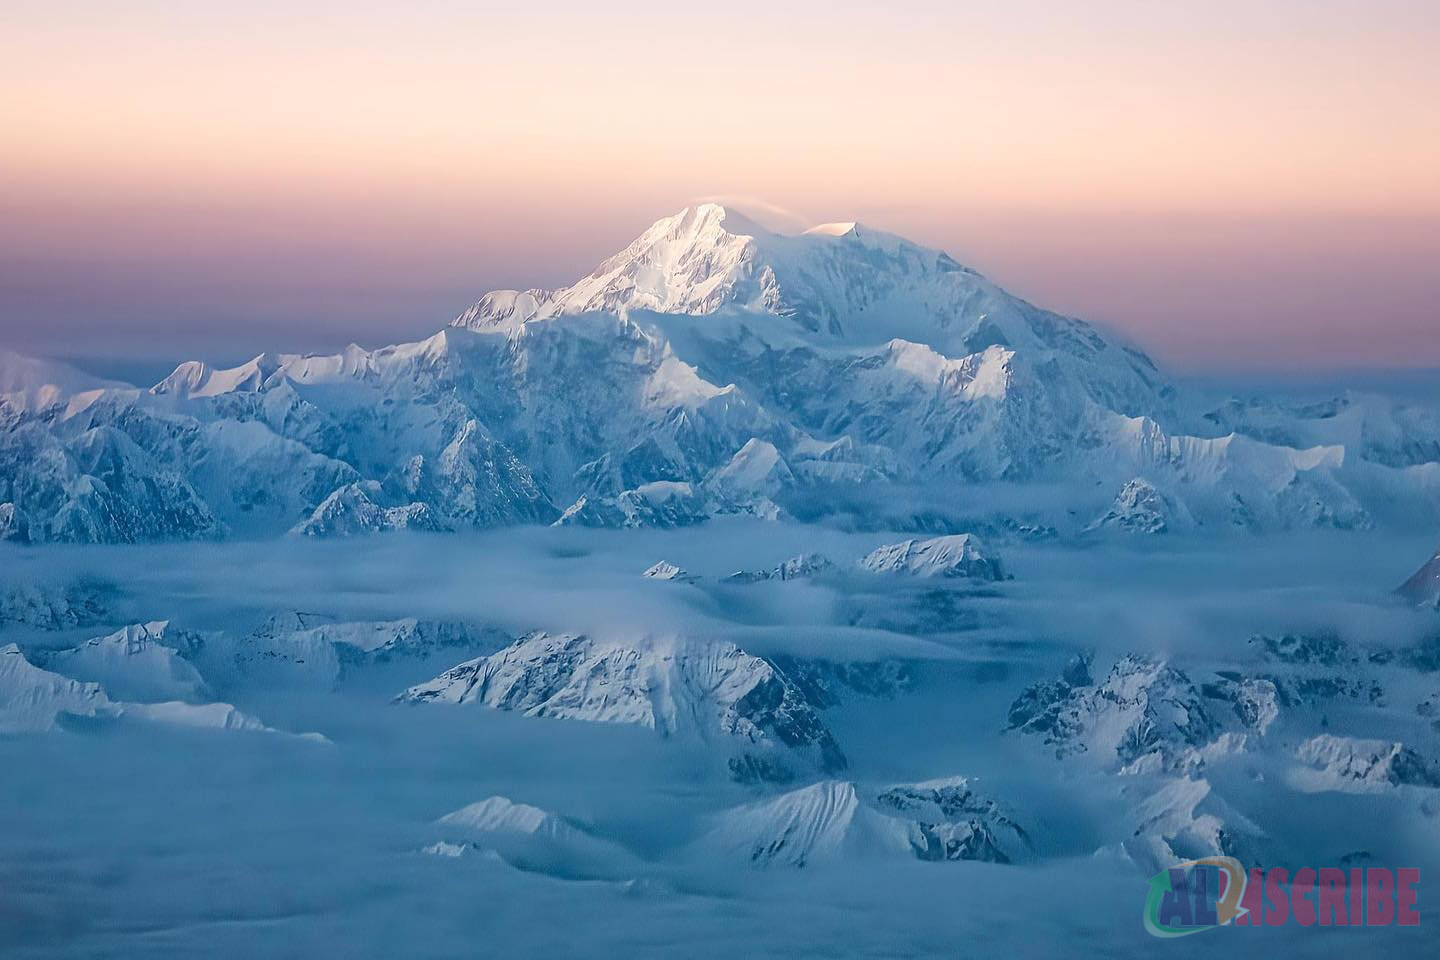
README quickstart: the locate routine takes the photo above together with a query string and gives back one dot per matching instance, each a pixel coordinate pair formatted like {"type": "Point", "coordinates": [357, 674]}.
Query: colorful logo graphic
{"type": "Point", "coordinates": [1217, 892]}
{"type": "Point", "coordinates": [1187, 898]}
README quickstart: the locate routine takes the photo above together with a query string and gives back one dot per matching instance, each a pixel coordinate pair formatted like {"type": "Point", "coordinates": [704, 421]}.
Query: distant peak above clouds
{"type": "Point", "coordinates": [744, 219]}
{"type": "Point", "coordinates": [709, 256]}
{"type": "Point", "coordinates": [709, 219]}
{"type": "Point", "coordinates": [840, 282]}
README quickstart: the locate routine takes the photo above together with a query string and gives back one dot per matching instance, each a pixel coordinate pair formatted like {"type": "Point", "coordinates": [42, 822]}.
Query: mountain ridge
{"type": "Point", "coordinates": [711, 367]}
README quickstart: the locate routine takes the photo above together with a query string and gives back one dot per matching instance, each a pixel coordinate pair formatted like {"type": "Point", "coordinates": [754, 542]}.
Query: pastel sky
{"type": "Point", "coordinates": [1239, 186]}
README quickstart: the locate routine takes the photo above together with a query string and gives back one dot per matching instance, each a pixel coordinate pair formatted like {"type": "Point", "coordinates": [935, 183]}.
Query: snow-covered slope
{"type": "Point", "coordinates": [535, 839]}
{"type": "Point", "coordinates": [959, 555]}
{"type": "Point", "coordinates": [1386, 430]}
{"type": "Point", "coordinates": [409, 637]}
{"type": "Point", "coordinates": [36, 700]}
{"type": "Point", "coordinates": [1148, 717]}
{"type": "Point", "coordinates": [29, 383]}
{"type": "Point", "coordinates": [676, 686]}
{"type": "Point", "coordinates": [206, 716]}
{"type": "Point", "coordinates": [824, 821]}
{"type": "Point", "coordinates": [134, 663]}
{"type": "Point", "coordinates": [287, 650]}
{"type": "Point", "coordinates": [834, 820]}
{"type": "Point", "coordinates": [954, 821]}
{"type": "Point", "coordinates": [1184, 819]}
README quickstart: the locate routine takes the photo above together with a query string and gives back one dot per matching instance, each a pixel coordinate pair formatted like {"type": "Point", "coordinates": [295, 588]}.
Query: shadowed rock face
{"type": "Point", "coordinates": [1145, 714]}
{"type": "Point", "coordinates": [1423, 588]}
{"type": "Point", "coordinates": [79, 603]}
{"type": "Point", "coordinates": [954, 821]}
{"type": "Point", "coordinates": [1350, 763]}
{"type": "Point", "coordinates": [827, 682]}
{"type": "Point", "coordinates": [1325, 649]}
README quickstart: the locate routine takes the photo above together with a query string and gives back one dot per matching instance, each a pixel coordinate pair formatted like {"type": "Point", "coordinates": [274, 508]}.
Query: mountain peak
{"type": "Point", "coordinates": [729, 219]}
{"type": "Point", "coordinates": [710, 256]}
{"type": "Point", "coordinates": [42, 382]}
{"type": "Point", "coordinates": [737, 223]}
{"type": "Point", "coordinates": [838, 284]}
{"type": "Point", "coordinates": [195, 378]}
{"type": "Point", "coordinates": [846, 228]}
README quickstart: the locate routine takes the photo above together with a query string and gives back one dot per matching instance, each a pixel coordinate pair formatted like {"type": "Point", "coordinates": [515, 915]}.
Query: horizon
{"type": "Point", "coordinates": [1417, 380]}
{"type": "Point", "coordinates": [145, 369]}
{"type": "Point", "coordinates": [1234, 189]}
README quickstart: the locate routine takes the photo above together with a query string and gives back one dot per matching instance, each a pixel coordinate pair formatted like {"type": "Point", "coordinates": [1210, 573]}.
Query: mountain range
{"type": "Point", "coordinates": [712, 367]}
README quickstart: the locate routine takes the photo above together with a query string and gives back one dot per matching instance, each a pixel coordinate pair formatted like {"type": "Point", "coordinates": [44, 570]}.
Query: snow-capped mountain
{"type": "Point", "coordinates": [36, 700]}
{"type": "Point", "coordinates": [352, 509]}
{"type": "Point", "coordinates": [665, 570]}
{"type": "Point", "coordinates": [959, 555]}
{"type": "Point", "coordinates": [799, 567]}
{"type": "Point", "coordinates": [853, 333]}
{"type": "Point", "coordinates": [675, 686]}
{"type": "Point", "coordinates": [1140, 508]}
{"type": "Point", "coordinates": [712, 367]}
{"type": "Point", "coordinates": [1293, 706]}
{"type": "Point", "coordinates": [836, 820]}
{"type": "Point", "coordinates": [137, 662]}
{"type": "Point", "coordinates": [534, 839]}
{"type": "Point", "coordinates": [956, 821]}
{"type": "Point", "coordinates": [824, 821]}
{"type": "Point", "coordinates": [1145, 716]}
{"type": "Point", "coordinates": [833, 284]}
{"type": "Point", "coordinates": [1359, 765]}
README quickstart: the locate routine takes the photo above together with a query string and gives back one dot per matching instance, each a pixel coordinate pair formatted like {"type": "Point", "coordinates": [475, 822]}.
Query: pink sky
{"type": "Point", "coordinates": [1241, 188]}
